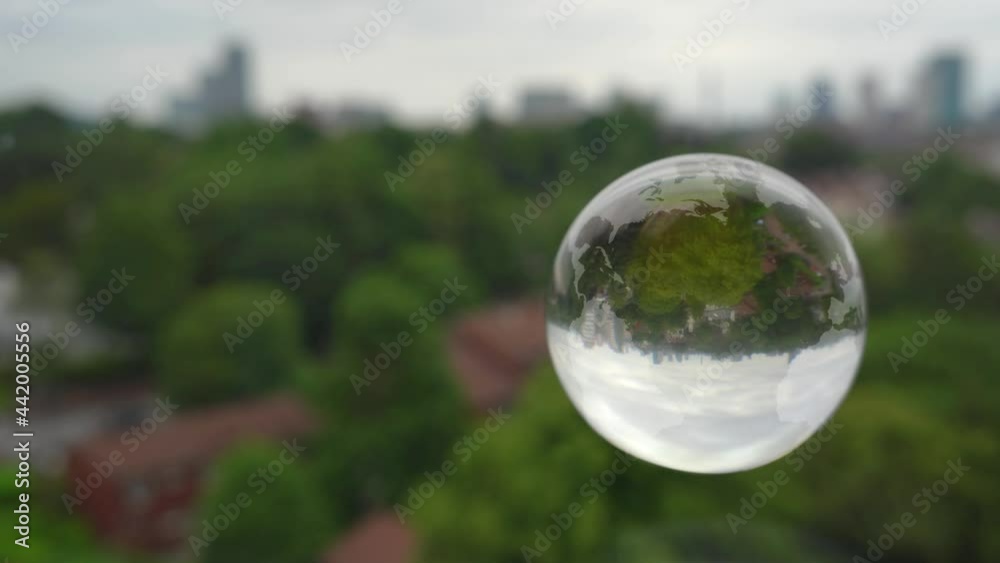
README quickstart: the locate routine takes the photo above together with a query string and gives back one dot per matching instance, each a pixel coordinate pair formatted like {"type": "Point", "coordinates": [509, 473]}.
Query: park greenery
{"type": "Point", "coordinates": [196, 274]}
{"type": "Point", "coordinates": [665, 272]}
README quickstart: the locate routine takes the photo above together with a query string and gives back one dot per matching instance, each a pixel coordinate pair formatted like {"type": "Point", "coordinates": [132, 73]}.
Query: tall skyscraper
{"type": "Point", "coordinates": [871, 102]}
{"type": "Point", "coordinates": [822, 92]}
{"type": "Point", "coordinates": [941, 93]}
{"type": "Point", "coordinates": [223, 93]}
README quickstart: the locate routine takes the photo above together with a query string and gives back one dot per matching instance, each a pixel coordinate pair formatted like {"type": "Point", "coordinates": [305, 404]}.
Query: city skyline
{"type": "Point", "coordinates": [225, 90]}
{"type": "Point", "coordinates": [941, 100]}
{"type": "Point", "coordinates": [439, 63]}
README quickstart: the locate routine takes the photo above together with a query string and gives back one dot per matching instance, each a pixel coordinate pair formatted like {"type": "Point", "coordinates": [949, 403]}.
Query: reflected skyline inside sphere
{"type": "Point", "coordinates": [706, 313]}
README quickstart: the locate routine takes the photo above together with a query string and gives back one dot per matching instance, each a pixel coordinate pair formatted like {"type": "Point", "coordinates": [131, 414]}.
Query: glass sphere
{"type": "Point", "coordinates": [706, 313]}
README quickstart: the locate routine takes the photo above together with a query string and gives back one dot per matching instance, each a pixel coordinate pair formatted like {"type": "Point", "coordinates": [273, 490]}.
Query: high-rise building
{"type": "Point", "coordinates": [548, 106]}
{"type": "Point", "coordinates": [222, 94]}
{"type": "Point", "coordinates": [224, 91]}
{"type": "Point", "coordinates": [822, 92]}
{"type": "Point", "coordinates": [871, 102]}
{"type": "Point", "coordinates": [941, 91]}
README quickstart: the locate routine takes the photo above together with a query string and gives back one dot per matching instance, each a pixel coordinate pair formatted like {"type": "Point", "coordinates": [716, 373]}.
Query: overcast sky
{"type": "Point", "coordinates": [432, 52]}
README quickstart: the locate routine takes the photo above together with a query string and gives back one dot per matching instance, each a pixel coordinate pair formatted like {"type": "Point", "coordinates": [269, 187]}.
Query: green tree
{"type": "Point", "coordinates": [704, 260]}
{"type": "Point", "coordinates": [391, 402]}
{"type": "Point", "coordinates": [36, 217]}
{"type": "Point", "coordinates": [54, 534]}
{"type": "Point", "coordinates": [536, 465]}
{"type": "Point", "coordinates": [284, 519]}
{"type": "Point", "coordinates": [229, 342]}
{"type": "Point", "coordinates": [814, 149]}
{"type": "Point", "coordinates": [135, 242]}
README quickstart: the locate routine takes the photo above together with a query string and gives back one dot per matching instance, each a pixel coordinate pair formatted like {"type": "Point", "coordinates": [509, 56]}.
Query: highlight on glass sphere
{"type": "Point", "coordinates": [706, 313]}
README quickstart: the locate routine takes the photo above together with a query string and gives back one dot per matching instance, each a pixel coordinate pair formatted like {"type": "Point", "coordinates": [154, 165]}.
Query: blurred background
{"type": "Point", "coordinates": [284, 263]}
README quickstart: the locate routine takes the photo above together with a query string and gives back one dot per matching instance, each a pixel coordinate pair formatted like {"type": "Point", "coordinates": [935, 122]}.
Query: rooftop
{"type": "Point", "coordinates": [197, 438]}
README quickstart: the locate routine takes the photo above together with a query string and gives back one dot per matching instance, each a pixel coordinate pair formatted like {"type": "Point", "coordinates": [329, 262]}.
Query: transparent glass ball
{"type": "Point", "coordinates": [706, 313]}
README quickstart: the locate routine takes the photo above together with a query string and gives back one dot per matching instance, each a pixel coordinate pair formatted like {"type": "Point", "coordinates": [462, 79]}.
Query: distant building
{"type": "Point", "coordinates": [494, 351]}
{"type": "Point", "coordinates": [347, 117]}
{"type": "Point", "coordinates": [353, 116]}
{"type": "Point", "coordinates": [599, 325]}
{"type": "Point", "coordinates": [982, 146]}
{"type": "Point", "coordinates": [146, 503]}
{"type": "Point", "coordinates": [379, 538]}
{"type": "Point", "coordinates": [222, 94]}
{"type": "Point", "coordinates": [187, 116]}
{"type": "Point", "coordinates": [622, 99]}
{"type": "Point", "coordinates": [941, 91]}
{"type": "Point", "coordinates": [548, 106]}
{"type": "Point", "coordinates": [822, 91]}
{"type": "Point", "coordinates": [872, 112]}
{"type": "Point", "coordinates": [718, 314]}
{"type": "Point", "coordinates": [74, 417]}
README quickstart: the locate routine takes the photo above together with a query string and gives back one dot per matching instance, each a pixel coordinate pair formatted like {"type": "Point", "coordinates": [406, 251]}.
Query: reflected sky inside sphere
{"type": "Point", "coordinates": [706, 313]}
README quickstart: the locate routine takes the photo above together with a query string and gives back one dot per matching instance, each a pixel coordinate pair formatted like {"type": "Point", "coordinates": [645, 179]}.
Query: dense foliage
{"type": "Point", "coordinates": [204, 244]}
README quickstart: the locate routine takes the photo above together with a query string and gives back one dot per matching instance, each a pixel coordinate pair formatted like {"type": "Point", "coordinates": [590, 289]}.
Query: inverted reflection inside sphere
{"type": "Point", "coordinates": [706, 313]}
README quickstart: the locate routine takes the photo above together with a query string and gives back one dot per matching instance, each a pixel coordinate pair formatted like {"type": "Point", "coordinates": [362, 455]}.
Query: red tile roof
{"type": "Point", "coordinates": [494, 350]}
{"type": "Point", "coordinates": [196, 439]}
{"type": "Point", "coordinates": [379, 538]}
